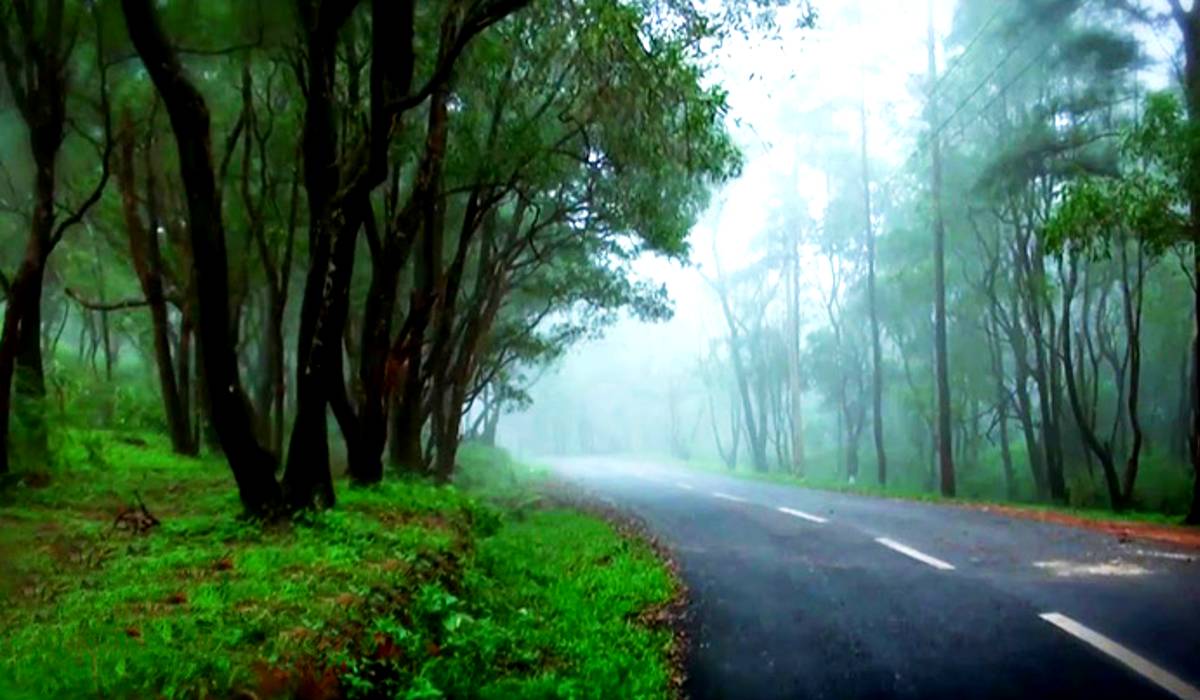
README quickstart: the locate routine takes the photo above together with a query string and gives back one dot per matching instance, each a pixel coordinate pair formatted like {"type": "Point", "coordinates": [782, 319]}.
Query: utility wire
{"type": "Point", "coordinates": [1003, 90]}
{"type": "Point", "coordinates": [963, 104]}
{"type": "Point", "coordinates": [1000, 7]}
{"type": "Point", "coordinates": [984, 83]}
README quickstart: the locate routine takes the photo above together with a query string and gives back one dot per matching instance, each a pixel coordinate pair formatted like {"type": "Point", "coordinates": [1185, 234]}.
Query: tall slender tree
{"type": "Point", "coordinates": [944, 438]}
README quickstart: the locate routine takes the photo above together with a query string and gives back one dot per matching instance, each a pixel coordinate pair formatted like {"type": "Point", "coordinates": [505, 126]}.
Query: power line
{"type": "Point", "coordinates": [970, 45]}
{"type": "Point", "coordinates": [983, 83]}
{"type": "Point", "coordinates": [1003, 90]}
{"type": "Point", "coordinates": [963, 104]}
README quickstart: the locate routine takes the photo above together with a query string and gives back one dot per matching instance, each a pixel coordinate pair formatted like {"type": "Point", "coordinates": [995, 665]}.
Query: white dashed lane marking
{"type": "Point", "coordinates": [802, 515]}
{"type": "Point", "coordinates": [727, 497]}
{"type": "Point", "coordinates": [910, 552]}
{"type": "Point", "coordinates": [1148, 669]}
{"type": "Point", "coordinates": [685, 487]}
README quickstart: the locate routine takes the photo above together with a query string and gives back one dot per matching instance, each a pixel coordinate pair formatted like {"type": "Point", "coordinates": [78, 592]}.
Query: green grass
{"type": "Point", "coordinates": [405, 590]}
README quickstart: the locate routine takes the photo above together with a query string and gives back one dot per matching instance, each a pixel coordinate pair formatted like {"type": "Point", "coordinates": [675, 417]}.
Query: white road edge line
{"type": "Point", "coordinates": [803, 515]}
{"type": "Point", "coordinates": [910, 552]}
{"type": "Point", "coordinates": [1151, 671]}
{"type": "Point", "coordinates": [685, 487]}
{"type": "Point", "coordinates": [727, 497]}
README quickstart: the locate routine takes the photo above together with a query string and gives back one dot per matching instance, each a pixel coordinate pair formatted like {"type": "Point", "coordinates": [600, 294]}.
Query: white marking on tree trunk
{"type": "Point", "coordinates": [727, 497]}
{"type": "Point", "coordinates": [801, 514]}
{"type": "Point", "coordinates": [1151, 671]}
{"type": "Point", "coordinates": [910, 552]}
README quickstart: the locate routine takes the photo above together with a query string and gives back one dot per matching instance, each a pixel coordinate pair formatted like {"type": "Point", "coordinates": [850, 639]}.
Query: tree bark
{"type": "Point", "coordinates": [147, 263]}
{"type": "Point", "coordinates": [942, 377]}
{"type": "Point", "coordinates": [1103, 452]}
{"type": "Point", "coordinates": [24, 284]}
{"type": "Point", "coordinates": [996, 354]}
{"type": "Point", "coordinates": [1188, 22]}
{"type": "Point", "coordinates": [1132, 297]}
{"type": "Point", "coordinates": [253, 467]}
{"type": "Point", "coordinates": [873, 311]}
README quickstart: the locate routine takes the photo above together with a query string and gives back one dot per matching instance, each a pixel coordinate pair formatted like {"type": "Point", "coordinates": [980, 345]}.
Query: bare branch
{"type": "Point", "coordinates": [106, 156]}
{"type": "Point", "coordinates": [105, 306]}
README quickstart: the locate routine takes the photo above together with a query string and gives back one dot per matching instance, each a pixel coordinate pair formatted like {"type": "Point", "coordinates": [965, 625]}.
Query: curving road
{"type": "Point", "coordinates": [798, 593]}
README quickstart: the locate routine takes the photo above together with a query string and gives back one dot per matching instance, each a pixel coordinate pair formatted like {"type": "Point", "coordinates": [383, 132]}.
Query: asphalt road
{"type": "Point", "coordinates": [843, 596]}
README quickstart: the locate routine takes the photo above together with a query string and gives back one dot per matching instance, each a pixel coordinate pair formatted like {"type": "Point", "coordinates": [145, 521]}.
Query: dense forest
{"type": "Point", "coordinates": [1003, 307]}
{"type": "Point", "coordinates": [265, 226]}
{"type": "Point", "coordinates": [286, 284]}
{"type": "Point", "coordinates": [265, 266]}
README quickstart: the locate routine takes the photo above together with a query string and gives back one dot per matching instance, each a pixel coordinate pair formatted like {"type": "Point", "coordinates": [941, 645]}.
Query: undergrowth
{"type": "Point", "coordinates": [404, 590]}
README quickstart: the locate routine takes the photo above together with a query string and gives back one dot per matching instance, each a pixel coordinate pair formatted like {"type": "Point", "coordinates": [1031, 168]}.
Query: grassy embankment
{"type": "Point", "coordinates": [406, 590]}
{"type": "Point", "coordinates": [1159, 487]}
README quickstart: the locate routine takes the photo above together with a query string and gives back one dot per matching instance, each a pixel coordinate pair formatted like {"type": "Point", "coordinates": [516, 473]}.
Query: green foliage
{"type": "Point", "coordinates": [407, 590]}
{"type": "Point", "coordinates": [1147, 200]}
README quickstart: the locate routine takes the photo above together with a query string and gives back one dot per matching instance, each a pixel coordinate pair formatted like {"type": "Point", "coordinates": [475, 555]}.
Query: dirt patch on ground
{"type": "Point", "coordinates": [1123, 530]}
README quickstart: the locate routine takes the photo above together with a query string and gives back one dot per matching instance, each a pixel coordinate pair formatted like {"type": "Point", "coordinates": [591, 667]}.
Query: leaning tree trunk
{"type": "Point", "coordinates": [147, 263]}
{"type": "Point", "coordinates": [253, 467]}
{"type": "Point", "coordinates": [1102, 452]}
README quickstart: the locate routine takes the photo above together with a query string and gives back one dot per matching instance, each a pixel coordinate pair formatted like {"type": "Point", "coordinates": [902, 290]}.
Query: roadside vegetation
{"type": "Point", "coordinates": [129, 574]}
{"type": "Point", "coordinates": [1002, 308]}
{"type": "Point", "coordinates": [264, 268]}
{"type": "Point", "coordinates": [1167, 496]}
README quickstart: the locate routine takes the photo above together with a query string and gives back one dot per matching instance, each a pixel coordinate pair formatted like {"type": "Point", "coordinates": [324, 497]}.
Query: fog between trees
{"type": "Point", "coordinates": [1048, 145]}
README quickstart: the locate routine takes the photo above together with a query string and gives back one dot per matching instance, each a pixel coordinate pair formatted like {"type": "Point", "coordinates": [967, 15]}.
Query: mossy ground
{"type": "Point", "coordinates": [404, 590]}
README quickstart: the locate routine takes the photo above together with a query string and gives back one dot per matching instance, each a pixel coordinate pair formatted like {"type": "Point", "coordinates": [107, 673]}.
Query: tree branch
{"type": "Point", "coordinates": [106, 156]}
{"type": "Point", "coordinates": [105, 306]}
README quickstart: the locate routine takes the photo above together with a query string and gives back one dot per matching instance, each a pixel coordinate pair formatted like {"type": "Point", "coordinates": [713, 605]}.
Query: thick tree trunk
{"type": "Point", "coordinates": [1193, 516]}
{"type": "Point", "coordinates": [378, 383]}
{"type": "Point", "coordinates": [374, 349]}
{"type": "Point", "coordinates": [21, 286]}
{"type": "Point", "coordinates": [407, 451]}
{"type": "Point", "coordinates": [1189, 25]}
{"type": "Point", "coordinates": [22, 382]}
{"type": "Point", "coordinates": [253, 468]}
{"type": "Point", "coordinates": [29, 383]}
{"type": "Point", "coordinates": [307, 479]}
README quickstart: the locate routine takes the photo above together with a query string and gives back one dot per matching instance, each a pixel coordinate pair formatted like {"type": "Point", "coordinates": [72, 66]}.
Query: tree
{"type": "Point", "coordinates": [1143, 203]}
{"type": "Point", "coordinates": [873, 312]}
{"type": "Point", "coordinates": [37, 48]}
{"type": "Point", "coordinates": [252, 465]}
{"type": "Point", "coordinates": [941, 372]}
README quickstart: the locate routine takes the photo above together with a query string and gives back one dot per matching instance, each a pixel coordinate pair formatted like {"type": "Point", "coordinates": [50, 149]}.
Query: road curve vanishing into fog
{"type": "Point", "coordinates": [797, 593]}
